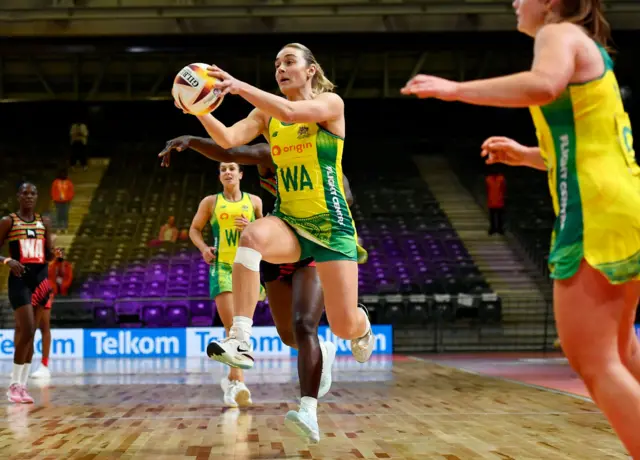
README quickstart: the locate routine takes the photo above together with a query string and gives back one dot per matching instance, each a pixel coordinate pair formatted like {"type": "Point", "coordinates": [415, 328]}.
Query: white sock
{"type": "Point", "coordinates": [243, 324]}
{"type": "Point", "coordinates": [368, 323]}
{"type": "Point", "coordinates": [308, 404]}
{"type": "Point", "coordinates": [25, 374]}
{"type": "Point", "coordinates": [16, 375]}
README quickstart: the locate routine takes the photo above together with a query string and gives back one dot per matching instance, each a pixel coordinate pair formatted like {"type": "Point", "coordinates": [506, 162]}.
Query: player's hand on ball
{"type": "Point", "coordinates": [209, 255]}
{"type": "Point", "coordinates": [178, 144]}
{"type": "Point", "coordinates": [226, 84]}
{"type": "Point", "coordinates": [426, 86]}
{"type": "Point", "coordinates": [181, 108]}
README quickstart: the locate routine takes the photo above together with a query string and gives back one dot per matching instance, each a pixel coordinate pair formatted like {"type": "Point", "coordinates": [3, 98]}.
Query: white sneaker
{"type": "Point", "coordinates": [362, 348]}
{"type": "Point", "coordinates": [304, 424]}
{"type": "Point", "coordinates": [236, 393]}
{"type": "Point", "coordinates": [328, 350]}
{"type": "Point", "coordinates": [232, 352]}
{"type": "Point", "coordinates": [43, 372]}
{"type": "Point", "coordinates": [224, 384]}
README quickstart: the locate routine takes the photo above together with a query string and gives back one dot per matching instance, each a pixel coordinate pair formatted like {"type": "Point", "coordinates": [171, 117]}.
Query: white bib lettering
{"type": "Point", "coordinates": [32, 251]}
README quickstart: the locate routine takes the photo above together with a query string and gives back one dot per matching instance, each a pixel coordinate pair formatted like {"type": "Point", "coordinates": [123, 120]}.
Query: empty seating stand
{"type": "Point", "coordinates": [127, 281]}
{"type": "Point", "coordinates": [413, 250]}
{"type": "Point", "coordinates": [418, 269]}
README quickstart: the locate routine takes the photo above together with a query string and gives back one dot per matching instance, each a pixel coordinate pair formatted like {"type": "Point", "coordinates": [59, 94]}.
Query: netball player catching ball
{"type": "Point", "coordinates": [295, 295]}
{"type": "Point", "coordinates": [585, 144]}
{"type": "Point", "coordinates": [305, 131]}
{"type": "Point", "coordinates": [30, 247]}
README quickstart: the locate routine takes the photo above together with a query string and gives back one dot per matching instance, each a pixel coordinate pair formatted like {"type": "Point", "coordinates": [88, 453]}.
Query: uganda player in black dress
{"type": "Point", "coordinates": [30, 248]}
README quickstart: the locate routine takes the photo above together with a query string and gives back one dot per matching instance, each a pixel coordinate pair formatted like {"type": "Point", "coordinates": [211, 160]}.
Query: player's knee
{"type": "Point", "coordinates": [591, 364]}
{"type": "Point", "coordinates": [345, 328]}
{"type": "Point", "coordinates": [250, 238]}
{"type": "Point", "coordinates": [26, 335]}
{"type": "Point", "coordinates": [305, 325]}
{"type": "Point", "coordinates": [345, 320]}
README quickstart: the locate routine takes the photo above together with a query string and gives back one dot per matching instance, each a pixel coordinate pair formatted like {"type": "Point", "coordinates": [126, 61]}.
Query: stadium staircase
{"type": "Point", "coordinates": [505, 271]}
{"type": "Point", "coordinates": [86, 184]}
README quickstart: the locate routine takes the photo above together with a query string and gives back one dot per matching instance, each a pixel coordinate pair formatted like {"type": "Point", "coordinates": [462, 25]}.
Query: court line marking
{"type": "Point", "coordinates": [504, 379]}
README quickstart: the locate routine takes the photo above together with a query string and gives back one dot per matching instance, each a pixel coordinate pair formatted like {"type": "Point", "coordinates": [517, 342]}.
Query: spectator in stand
{"type": "Point", "coordinates": [168, 233]}
{"type": "Point", "coordinates": [60, 274]}
{"type": "Point", "coordinates": [79, 136]}
{"type": "Point", "coordinates": [496, 190]}
{"type": "Point", "coordinates": [62, 193]}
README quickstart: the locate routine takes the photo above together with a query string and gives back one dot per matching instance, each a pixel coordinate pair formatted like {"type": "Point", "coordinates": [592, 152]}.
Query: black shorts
{"type": "Point", "coordinates": [282, 272]}
{"type": "Point", "coordinates": [32, 288]}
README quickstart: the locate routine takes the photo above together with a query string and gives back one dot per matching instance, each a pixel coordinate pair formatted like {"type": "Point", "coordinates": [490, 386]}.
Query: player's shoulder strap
{"type": "Point", "coordinates": [216, 200]}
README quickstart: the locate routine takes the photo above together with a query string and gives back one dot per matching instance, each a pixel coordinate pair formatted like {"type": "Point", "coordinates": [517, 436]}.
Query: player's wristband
{"type": "Point", "coordinates": [7, 260]}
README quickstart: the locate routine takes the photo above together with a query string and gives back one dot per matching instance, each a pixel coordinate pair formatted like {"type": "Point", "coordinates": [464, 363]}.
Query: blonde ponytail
{"type": "Point", "coordinates": [320, 83]}
{"type": "Point", "coordinates": [587, 14]}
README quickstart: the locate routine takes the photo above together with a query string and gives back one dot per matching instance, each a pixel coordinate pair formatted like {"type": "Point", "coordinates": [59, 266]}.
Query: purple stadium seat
{"type": "Point", "coordinates": [262, 315]}
{"type": "Point", "coordinates": [105, 316]}
{"type": "Point", "coordinates": [129, 293]}
{"type": "Point", "coordinates": [133, 277]}
{"type": "Point", "coordinates": [88, 290]}
{"type": "Point", "coordinates": [176, 315]}
{"type": "Point", "coordinates": [179, 267]}
{"type": "Point", "coordinates": [202, 312]}
{"type": "Point", "coordinates": [179, 280]}
{"type": "Point", "coordinates": [151, 292]}
{"type": "Point", "coordinates": [136, 269]}
{"type": "Point", "coordinates": [156, 275]}
{"type": "Point", "coordinates": [177, 291]}
{"type": "Point", "coordinates": [130, 290]}
{"type": "Point", "coordinates": [113, 280]}
{"type": "Point", "coordinates": [106, 291]}
{"type": "Point", "coordinates": [182, 256]}
{"type": "Point", "coordinates": [199, 289]}
{"type": "Point", "coordinates": [152, 316]}
{"type": "Point", "coordinates": [127, 308]}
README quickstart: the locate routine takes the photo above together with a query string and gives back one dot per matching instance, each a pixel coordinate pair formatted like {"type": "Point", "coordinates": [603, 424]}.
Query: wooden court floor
{"type": "Point", "coordinates": [401, 408]}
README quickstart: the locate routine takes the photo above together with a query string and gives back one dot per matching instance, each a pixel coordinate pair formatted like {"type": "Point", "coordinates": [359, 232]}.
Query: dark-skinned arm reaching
{"type": "Point", "coordinates": [257, 154]}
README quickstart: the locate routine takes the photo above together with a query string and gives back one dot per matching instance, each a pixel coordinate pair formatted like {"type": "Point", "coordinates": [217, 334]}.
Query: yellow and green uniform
{"type": "Point", "coordinates": [310, 193]}
{"type": "Point", "coordinates": [586, 142]}
{"type": "Point", "coordinates": [226, 237]}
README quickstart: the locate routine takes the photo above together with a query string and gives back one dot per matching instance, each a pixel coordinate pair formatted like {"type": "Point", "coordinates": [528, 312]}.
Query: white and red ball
{"type": "Point", "coordinates": [194, 91]}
